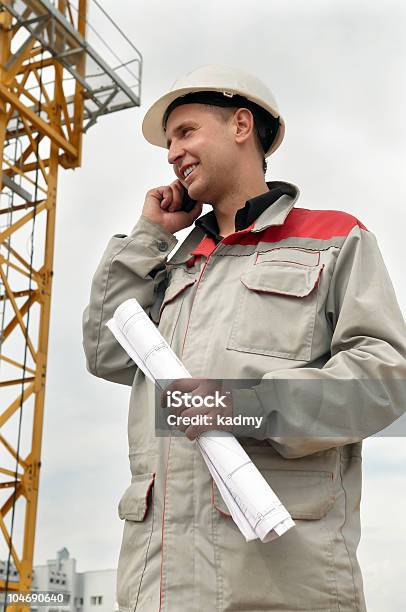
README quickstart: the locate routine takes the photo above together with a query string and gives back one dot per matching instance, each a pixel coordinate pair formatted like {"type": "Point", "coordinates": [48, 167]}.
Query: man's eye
{"type": "Point", "coordinates": [186, 130]}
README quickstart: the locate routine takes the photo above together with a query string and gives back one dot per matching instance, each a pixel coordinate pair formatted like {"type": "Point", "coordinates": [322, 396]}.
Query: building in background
{"type": "Point", "coordinates": [93, 591]}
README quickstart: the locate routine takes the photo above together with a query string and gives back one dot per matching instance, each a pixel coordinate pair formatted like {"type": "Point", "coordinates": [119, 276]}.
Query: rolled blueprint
{"type": "Point", "coordinates": [254, 507]}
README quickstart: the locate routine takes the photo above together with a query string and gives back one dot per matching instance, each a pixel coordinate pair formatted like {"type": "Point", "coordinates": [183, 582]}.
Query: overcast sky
{"type": "Point", "coordinates": [337, 69]}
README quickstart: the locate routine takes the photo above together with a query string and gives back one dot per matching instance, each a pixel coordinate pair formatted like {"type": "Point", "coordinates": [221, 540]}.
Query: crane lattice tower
{"type": "Point", "coordinates": [54, 85]}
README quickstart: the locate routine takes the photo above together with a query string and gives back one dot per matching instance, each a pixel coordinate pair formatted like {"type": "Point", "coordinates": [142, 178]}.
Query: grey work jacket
{"type": "Point", "coordinates": [300, 302]}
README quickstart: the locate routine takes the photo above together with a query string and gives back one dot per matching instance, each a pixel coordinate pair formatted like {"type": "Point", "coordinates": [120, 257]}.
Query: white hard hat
{"type": "Point", "coordinates": [226, 80]}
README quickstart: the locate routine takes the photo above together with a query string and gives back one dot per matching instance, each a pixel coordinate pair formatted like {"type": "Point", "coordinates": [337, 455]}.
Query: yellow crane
{"type": "Point", "coordinates": [54, 85]}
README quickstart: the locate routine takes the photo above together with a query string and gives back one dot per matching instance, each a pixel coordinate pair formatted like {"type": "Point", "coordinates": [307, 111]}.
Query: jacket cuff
{"type": "Point", "coordinates": [154, 237]}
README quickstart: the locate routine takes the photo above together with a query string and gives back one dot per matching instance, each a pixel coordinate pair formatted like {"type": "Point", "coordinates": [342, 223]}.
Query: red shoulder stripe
{"type": "Point", "coordinates": [301, 223]}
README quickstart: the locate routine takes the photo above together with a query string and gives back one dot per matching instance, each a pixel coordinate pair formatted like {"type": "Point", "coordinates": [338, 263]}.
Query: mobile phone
{"type": "Point", "coordinates": [187, 202]}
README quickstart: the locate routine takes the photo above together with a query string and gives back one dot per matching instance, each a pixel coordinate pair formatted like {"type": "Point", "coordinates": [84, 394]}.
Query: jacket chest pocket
{"type": "Point", "coordinates": [276, 310]}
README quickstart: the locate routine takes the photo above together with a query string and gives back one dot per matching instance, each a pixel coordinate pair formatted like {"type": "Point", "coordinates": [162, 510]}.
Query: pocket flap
{"type": "Point", "coordinates": [282, 278]}
{"type": "Point", "coordinates": [305, 494]}
{"type": "Point", "coordinates": [133, 505]}
{"type": "Point", "coordinates": [175, 289]}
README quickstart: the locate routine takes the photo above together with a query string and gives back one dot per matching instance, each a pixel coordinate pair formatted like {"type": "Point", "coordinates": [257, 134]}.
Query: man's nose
{"type": "Point", "coordinates": [175, 152]}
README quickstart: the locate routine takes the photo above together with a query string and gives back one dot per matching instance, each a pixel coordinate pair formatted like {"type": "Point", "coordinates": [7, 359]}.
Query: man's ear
{"type": "Point", "coordinates": [243, 124]}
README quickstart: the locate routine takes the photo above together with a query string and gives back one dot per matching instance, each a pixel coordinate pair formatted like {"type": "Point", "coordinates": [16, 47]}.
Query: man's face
{"type": "Point", "coordinates": [200, 148]}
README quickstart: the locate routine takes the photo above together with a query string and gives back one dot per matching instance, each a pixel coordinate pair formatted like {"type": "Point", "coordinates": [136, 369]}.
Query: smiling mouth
{"type": "Point", "coordinates": [189, 172]}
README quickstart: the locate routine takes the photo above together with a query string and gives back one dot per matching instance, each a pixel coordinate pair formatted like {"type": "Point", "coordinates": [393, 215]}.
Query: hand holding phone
{"type": "Point", "coordinates": [171, 207]}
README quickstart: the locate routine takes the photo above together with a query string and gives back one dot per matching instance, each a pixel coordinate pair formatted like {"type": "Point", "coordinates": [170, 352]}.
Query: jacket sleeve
{"type": "Point", "coordinates": [131, 266]}
{"type": "Point", "coordinates": [360, 390]}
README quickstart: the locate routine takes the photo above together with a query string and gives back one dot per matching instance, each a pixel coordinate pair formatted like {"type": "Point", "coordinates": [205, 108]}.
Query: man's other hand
{"type": "Point", "coordinates": [212, 401]}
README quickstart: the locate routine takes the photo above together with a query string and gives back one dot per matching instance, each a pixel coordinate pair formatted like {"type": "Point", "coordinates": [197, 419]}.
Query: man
{"type": "Point", "coordinates": [296, 304]}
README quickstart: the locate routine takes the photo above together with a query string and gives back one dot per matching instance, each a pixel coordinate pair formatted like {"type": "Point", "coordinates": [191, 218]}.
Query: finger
{"type": "Point", "coordinates": [178, 193]}
{"type": "Point", "coordinates": [167, 197]}
{"type": "Point", "coordinates": [203, 423]}
{"type": "Point", "coordinates": [202, 411]}
{"type": "Point", "coordinates": [182, 427]}
{"type": "Point", "coordinates": [183, 384]}
{"type": "Point", "coordinates": [169, 407]}
{"type": "Point", "coordinates": [174, 385]}
{"type": "Point", "coordinates": [193, 387]}
{"type": "Point", "coordinates": [193, 431]}
{"type": "Point", "coordinates": [178, 186]}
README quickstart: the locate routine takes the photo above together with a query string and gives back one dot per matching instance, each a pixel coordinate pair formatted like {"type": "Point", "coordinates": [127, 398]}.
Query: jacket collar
{"type": "Point", "coordinates": [276, 214]}
{"type": "Point", "coordinates": [269, 208]}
